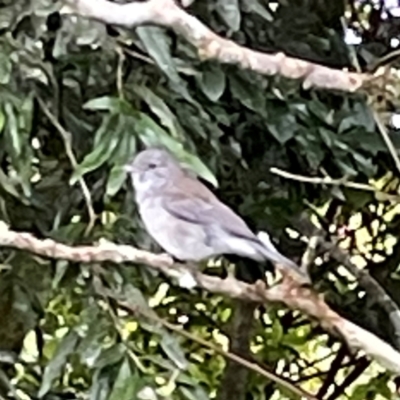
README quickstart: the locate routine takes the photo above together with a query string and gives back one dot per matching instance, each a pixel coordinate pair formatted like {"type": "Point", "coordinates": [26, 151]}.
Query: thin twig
{"type": "Point", "coordinates": [108, 294]}
{"type": "Point", "coordinates": [379, 124]}
{"type": "Point", "coordinates": [385, 135]}
{"type": "Point", "coordinates": [334, 182]}
{"type": "Point", "coordinates": [120, 83]}
{"type": "Point", "coordinates": [370, 284]}
{"type": "Point", "coordinates": [227, 354]}
{"type": "Point", "coordinates": [66, 136]}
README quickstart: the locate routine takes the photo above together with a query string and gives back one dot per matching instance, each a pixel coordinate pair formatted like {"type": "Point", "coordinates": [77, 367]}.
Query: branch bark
{"type": "Point", "coordinates": [290, 292]}
{"type": "Point", "coordinates": [168, 14]}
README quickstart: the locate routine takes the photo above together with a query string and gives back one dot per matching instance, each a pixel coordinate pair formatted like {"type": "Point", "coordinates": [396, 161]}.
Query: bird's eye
{"type": "Point", "coordinates": [152, 165]}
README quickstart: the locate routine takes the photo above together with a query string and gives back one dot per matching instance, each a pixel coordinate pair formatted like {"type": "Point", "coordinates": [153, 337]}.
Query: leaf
{"type": "Point", "coordinates": [123, 154]}
{"type": "Point", "coordinates": [247, 93]}
{"type": "Point", "coordinates": [54, 368]}
{"type": "Point", "coordinates": [2, 121]}
{"type": "Point", "coordinates": [155, 41]}
{"type": "Point", "coordinates": [163, 112]}
{"type": "Point", "coordinates": [360, 116]}
{"type": "Point", "coordinates": [320, 110]}
{"type": "Point", "coordinates": [213, 82]}
{"type": "Point", "coordinates": [109, 120]}
{"type": "Point", "coordinates": [229, 11]}
{"type": "Point", "coordinates": [97, 329]}
{"type": "Point", "coordinates": [282, 127]}
{"type": "Point", "coordinates": [5, 69]}
{"type": "Point", "coordinates": [256, 7]}
{"type": "Point", "coordinates": [102, 151]}
{"type": "Point", "coordinates": [116, 179]}
{"type": "Point", "coordinates": [61, 268]}
{"type": "Point", "coordinates": [152, 134]}
{"type": "Point", "coordinates": [277, 331]}
{"type": "Point", "coordinates": [12, 129]}
{"type": "Point", "coordinates": [173, 350]}
{"type": "Point", "coordinates": [112, 104]}
{"type": "Point", "coordinates": [25, 115]}
{"type": "Point", "coordinates": [8, 185]}
{"type": "Point", "coordinates": [196, 393]}
{"type": "Point", "coordinates": [110, 356]}
{"type": "Point", "coordinates": [100, 386]}
{"type": "Point", "coordinates": [310, 147]}
{"type": "Point", "coordinates": [327, 136]}
{"type": "Point", "coordinates": [126, 383]}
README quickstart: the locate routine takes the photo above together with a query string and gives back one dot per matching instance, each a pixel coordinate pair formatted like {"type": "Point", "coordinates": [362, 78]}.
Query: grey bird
{"type": "Point", "coordinates": [186, 219]}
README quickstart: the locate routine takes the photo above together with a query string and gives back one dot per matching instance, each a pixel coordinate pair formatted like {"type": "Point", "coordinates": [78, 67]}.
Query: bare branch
{"type": "Point", "coordinates": [251, 366]}
{"type": "Point", "coordinates": [66, 136]}
{"type": "Point", "coordinates": [371, 286]}
{"type": "Point", "coordinates": [385, 136]}
{"type": "Point", "coordinates": [326, 180]}
{"type": "Point", "coordinates": [289, 292]}
{"type": "Point", "coordinates": [168, 14]}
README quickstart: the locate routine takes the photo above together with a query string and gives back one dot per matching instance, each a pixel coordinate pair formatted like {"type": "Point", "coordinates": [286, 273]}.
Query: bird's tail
{"type": "Point", "coordinates": [270, 252]}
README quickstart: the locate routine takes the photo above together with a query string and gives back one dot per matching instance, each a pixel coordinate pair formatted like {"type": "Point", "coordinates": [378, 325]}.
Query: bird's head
{"type": "Point", "coordinates": [153, 168]}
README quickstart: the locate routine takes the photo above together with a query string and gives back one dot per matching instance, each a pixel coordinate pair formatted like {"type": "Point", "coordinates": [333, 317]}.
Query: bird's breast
{"type": "Point", "coordinates": [180, 238]}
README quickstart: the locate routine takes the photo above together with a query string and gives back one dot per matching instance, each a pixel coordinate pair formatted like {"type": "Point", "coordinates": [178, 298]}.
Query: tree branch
{"type": "Point", "coordinates": [371, 286]}
{"type": "Point", "coordinates": [66, 137]}
{"type": "Point", "coordinates": [327, 180]}
{"type": "Point", "coordinates": [290, 292]}
{"type": "Point", "coordinates": [168, 14]}
{"type": "Point", "coordinates": [229, 355]}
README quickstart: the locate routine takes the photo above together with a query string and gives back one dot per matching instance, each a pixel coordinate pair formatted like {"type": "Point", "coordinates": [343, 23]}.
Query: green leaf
{"type": "Point", "coordinates": [110, 356]}
{"type": "Point", "coordinates": [96, 331]}
{"type": "Point", "coordinates": [229, 11]}
{"type": "Point", "coordinates": [194, 393]}
{"type": "Point", "coordinates": [320, 110]}
{"type": "Point", "coordinates": [173, 350]}
{"type": "Point", "coordinates": [61, 268]}
{"type": "Point", "coordinates": [54, 368]}
{"type": "Point", "coordinates": [282, 127]}
{"type": "Point", "coordinates": [107, 123]}
{"type": "Point", "coordinates": [103, 150]}
{"type": "Point", "coordinates": [12, 130]}
{"type": "Point", "coordinates": [100, 386]}
{"type": "Point", "coordinates": [2, 121]}
{"type": "Point", "coordinates": [213, 82]}
{"type": "Point", "coordinates": [161, 109]}
{"type": "Point", "coordinates": [123, 154]}
{"type": "Point", "coordinates": [156, 43]}
{"type": "Point", "coordinates": [25, 115]}
{"type": "Point", "coordinates": [152, 134]}
{"type": "Point", "coordinates": [256, 7]}
{"type": "Point", "coordinates": [277, 331]}
{"type": "Point", "coordinates": [112, 104]}
{"type": "Point", "coordinates": [116, 179]}
{"type": "Point", "coordinates": [126, 383]}
{"type": "Point", "coordinates": [360, 116]}
{"type": "Point", "coordinates": [5, 69]}
{"type": "Point", "coordinates": [327, 136]}
{"type": "Point", "coordinates": [247, 93]}
{"type": "Point", "coordinates": [8, 185]}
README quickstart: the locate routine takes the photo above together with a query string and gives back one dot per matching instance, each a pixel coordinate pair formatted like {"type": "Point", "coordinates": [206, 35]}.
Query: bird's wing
{"type": "Point", "coordinates": [200, 206]}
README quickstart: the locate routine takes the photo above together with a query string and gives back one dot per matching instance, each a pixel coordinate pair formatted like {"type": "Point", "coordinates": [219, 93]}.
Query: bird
{"type": "Point", "coordinates": [187, 220]}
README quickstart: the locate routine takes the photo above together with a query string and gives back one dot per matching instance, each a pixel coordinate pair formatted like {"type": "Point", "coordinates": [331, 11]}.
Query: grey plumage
{"type": "Point", "coordinates": [186, 219]}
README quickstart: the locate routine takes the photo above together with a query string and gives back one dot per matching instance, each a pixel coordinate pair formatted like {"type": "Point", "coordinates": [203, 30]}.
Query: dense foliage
{"type": "Point", "coordinates": [63, 333]}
